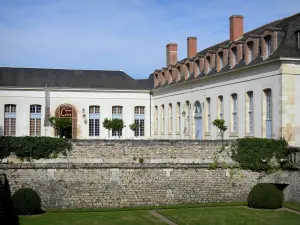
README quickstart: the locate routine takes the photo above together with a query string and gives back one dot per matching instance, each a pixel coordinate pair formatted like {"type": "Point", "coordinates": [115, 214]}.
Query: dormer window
{"type": "Point", "coordinates": [234, 56]}
{"type": "Point", "coordinates": [188, 70]}
{"type": "Point", "coordinates": [298, 38]}
{"type": "Point", "coordinates": [221, 60]}
{"type": "Point", "coordinates": [198, 67]}
{"type": "Point", "coordinates": [208, 65]}
{"type": "Point", "coordinates": [268, 42]}
{"type": "Point", "coordinates": [250, 51]}
{"type": "Point", "coordinates": [178, 73]}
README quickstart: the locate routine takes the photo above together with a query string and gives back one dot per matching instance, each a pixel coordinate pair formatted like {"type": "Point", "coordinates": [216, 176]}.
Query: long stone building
{"type": "Point", "coordinates": [249, 80]}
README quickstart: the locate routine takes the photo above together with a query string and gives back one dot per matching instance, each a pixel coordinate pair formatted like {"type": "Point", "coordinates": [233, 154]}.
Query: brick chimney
{"type": "Point", "coordinates": [191, 47]}
{"type": "Point", "coordinates": [171, 54]}
{"type": "Point", "coordinates": [236, 27]}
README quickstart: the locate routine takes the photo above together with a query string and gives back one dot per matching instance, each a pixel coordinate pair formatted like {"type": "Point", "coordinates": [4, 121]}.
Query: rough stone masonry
{"type": "Point", "coordinates": [117, 180]}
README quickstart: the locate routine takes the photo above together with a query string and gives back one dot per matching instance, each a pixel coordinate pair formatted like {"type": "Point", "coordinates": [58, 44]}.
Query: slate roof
{"type": "Point", "coordinates": [286, 42]}
{"type": "Point", "coordinates": [63, 78]}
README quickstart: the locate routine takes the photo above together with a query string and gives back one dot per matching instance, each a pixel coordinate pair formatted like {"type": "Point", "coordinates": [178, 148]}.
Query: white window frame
{"type": "Point", "coordinates": [35, 114]}
{"type": "Point", "coordinates": [221, 105]}
{"type": "Point", "coordinates": [268, 42]}
{"type": "Point", "coordinates": [178, 118]}
{"type": "Point", "coordinates": [117, 115]}
{"type": "Point", "coordinates": [250, 112]}
{"type": "Point", "coordinates": [10, 115]}
{"type": "Point", "coordinates": [234, 113]}
{"type": "Point", "coordinates": [139, 118]}
{"type": "Point", "coordinates": [94, 121]}
{"type": "Point", "coordinates": [208, 102]}
{"type": "Point", "coordinates": [162, 119]}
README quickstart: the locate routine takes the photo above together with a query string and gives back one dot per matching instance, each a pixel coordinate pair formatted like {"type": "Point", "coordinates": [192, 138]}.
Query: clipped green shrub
{"type": "Point", "coordinates": [256, 153]}
{"type": "Point", "coordinates": [27, 201]}
{"type": "Point", "coordinates": [265, 196]}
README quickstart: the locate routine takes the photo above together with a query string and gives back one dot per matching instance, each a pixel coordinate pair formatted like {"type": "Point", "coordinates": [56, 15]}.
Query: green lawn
{"type": "Point", "coordinates": [225, 215]}
{"type": "Point", "coordinates": [231, 216]}
{"type": "Point", "coordinates": [139, 217]}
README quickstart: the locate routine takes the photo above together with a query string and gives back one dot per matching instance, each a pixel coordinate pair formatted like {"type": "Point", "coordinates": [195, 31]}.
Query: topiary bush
{"type": "Point", "coordinates": [265, 196]}
{"type": "Point", "coordinates": [27, 201]}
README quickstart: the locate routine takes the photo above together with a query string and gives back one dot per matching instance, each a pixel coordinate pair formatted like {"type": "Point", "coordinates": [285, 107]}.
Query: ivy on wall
{"type": "Point", "coordinates": [259, 154]}
{"type": "Point", "coordinates": [34, 147]}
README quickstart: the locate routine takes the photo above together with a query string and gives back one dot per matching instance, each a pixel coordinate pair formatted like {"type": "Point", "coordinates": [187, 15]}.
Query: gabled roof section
{"type": "Point", "coordinates": [63, 78]}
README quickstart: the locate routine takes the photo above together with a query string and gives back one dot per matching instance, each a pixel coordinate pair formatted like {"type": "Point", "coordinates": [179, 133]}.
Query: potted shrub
{"type": "Point", "coordinates": [134, 127]}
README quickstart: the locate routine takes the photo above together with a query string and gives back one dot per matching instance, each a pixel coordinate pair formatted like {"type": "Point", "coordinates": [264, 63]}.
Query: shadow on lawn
{"type": "Point", "coordinates": [8, 214]}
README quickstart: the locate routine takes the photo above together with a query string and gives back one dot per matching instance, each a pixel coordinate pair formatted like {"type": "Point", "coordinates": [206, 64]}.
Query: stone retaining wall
{"type": "Point", "coordinates": [124, 185]}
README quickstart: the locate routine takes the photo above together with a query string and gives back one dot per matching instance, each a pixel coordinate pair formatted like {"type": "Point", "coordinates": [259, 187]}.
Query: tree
{"type": "Point", "coordinates": [114, 125]}
{"type": "Point", "coordinates": [107, 125]}
{"type": "Point", "coordinates": [134, 127]}
{"type": "Point", "coordinates": [220, 124]}
{"type": "Point", "coordinates": [61, 125]}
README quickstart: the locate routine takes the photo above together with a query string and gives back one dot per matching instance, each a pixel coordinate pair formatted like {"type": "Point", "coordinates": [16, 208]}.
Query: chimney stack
{"type": "Point", "coordinates": [171, 54]}
{"type": "Point", "coordinates": [191, 47]}
{"type": "Point", "coordinates": [236, 27]}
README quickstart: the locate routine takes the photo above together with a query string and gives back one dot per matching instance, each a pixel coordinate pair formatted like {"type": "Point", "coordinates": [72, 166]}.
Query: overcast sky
{"type": "Point", "coordinates": [128, 35]}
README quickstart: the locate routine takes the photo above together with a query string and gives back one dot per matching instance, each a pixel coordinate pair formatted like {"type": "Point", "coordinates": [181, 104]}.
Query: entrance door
{"type": "Point", "coordinates": [198, 121]}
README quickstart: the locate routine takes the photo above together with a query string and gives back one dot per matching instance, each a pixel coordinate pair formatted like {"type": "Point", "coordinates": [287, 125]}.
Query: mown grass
{"type": "Point", "coordinates": [292, 205]}
{"type": "Point", "coordinates": [231, 216]}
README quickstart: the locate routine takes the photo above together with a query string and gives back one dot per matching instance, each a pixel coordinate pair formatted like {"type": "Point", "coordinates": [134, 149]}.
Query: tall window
{"type": "Point", "coordinates": [221, 107]}
{"type": "Point", "coordinates": [94, 120]}
{"type": "Point", "coordinates": [155, 119]}
{"type": "Point", "coordinates": [10, 120]}
{"type": "Point", "coordinates": [35, 120]}
{"type": "Point", "coordinates": [208, 114]}
{"type": "Point", "coordinates": [268, 94]}
{"type": "Point", "coordinates": [234, 113]}
{"type": "Point", "coordinates": [139, 118]}
{"type": "Point", "coordinates": [250, 51]}
{"type": "Point", "coordinates": [268, 45]}
{"type": "Point", "coordinates": [250, 112]}
{"type": "Point", "coordinates": [170, 118]}
{"type": "Point", "coordinates": [117, 113]}
{"type": "Point", "coordinates": [187, 116]}
{"type": "Point", "coordinates": [234, 56]}
{"type": "Point", "coordinates": [162, 119]}
{"type": "Point", "coordinates": [178, 118]}
{"type": "Point", "coordinates": [221, 60]}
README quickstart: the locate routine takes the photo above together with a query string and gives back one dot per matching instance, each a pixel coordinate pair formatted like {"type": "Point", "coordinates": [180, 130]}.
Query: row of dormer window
{"type": "Point", "coordinates": [248, 50]}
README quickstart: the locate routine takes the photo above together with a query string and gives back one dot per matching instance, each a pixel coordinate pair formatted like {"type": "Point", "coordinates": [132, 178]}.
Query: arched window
{"type": "Point", "coordinates": [35, 120]}
{"type": "Point", "coordinates": [170, 118]}
{"type": "Point", "coordinates": [156, 119]}
{"type": "Point", "coordinates": [162, 119]}
{"type": "Point", "coordinates": [10, 120]}
{"type": "Point", "coordinates": [178, 118]}
{"type": "Point", "coordinates": [117, 113]}
{"type": "Point", "coordinates": [94, 120]}
{"type": "Point", "coordinates": [187, 117]}
{"type": "Point", "coordinates": [139, 118]}
{"type": "Point", "coordinates": [197, 67]}
{"type": "Point", "coordinates": [249, 110]}
{"type": "Point", "coordinates": [208, 114]}
{"type": "Point", "coordinates": [220, 107]}
{"type": "Point", "coordinates": [268, 117]}
{"type": "Point", "coordinates": [234, 113]}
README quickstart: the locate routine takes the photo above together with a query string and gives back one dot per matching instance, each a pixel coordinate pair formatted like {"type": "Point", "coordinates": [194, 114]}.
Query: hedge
{"type": "Point", "coordinates": [256, 153]}
{"type": "Point", "coordinates": [34, 147]}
